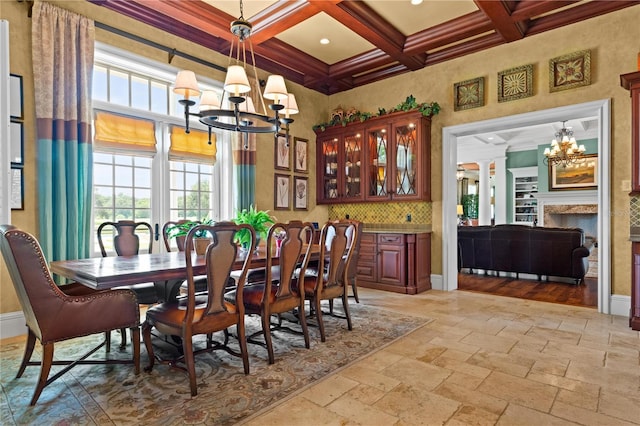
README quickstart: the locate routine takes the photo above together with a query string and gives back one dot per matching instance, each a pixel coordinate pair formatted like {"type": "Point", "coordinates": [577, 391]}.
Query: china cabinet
{"type": "Point", "coordinates": [385, 158]}
{"type": "Point", "coordinates": [339, 169]}
{"type": "Point", "coordinates": [631, 82]}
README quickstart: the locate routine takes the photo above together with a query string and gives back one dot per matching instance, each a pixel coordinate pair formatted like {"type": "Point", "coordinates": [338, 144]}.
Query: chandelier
{"type": "Point", "coordinates": [459, 173]}
{"type": "Point", "coordinates": [564, 149]}
{"type": "Point", "coordinates": [242, 116]}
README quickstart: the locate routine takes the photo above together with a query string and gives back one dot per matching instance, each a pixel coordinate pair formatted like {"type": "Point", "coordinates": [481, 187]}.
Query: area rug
{"type": "Point", "coordinates": [113, 394]}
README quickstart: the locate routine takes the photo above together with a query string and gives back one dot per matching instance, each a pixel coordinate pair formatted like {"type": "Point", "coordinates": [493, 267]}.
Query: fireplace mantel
{"type": "Point", "coordinates": [568, 203]}
{"type": "Point", "coordinates": [567, 197]}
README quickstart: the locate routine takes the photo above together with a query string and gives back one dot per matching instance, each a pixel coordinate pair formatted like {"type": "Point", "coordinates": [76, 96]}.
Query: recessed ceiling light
{"type": "Point", "coordinates": [325, 41]}
{"type": "Point", "coordinates": [416, 2]}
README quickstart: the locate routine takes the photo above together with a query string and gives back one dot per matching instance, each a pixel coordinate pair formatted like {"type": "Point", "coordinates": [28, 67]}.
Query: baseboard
{"type": "Point", "coordinates": [437, 283]}
{"type": "Point", "coordinates": [620, 305]}
{"type": "Point", "coordinates": [12, 324]}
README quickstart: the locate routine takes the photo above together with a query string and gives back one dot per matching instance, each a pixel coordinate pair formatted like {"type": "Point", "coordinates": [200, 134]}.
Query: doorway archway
{"type": "Point", "coordinates": [600, 109]}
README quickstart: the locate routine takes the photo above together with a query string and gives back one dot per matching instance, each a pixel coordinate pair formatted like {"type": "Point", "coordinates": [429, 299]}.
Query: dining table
{"type": "Point", "coordinates": [166, 270]}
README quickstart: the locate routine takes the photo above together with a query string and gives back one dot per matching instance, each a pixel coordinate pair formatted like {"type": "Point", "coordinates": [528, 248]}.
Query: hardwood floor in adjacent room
{"type": "Point", "coordinates": [544, 291]}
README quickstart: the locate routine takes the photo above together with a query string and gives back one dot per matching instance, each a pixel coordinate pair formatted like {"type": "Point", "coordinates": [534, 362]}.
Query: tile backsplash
{"type": "Point", "coordinates": [384, 213]}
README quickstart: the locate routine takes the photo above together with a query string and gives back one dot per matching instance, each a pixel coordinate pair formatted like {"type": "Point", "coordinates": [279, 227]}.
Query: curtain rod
{"type": "Point", "coordinates": [171, 51]}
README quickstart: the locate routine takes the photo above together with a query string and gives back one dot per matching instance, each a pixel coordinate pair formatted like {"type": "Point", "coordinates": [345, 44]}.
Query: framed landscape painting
{"type": "Point", "coordinates": [581, 175]}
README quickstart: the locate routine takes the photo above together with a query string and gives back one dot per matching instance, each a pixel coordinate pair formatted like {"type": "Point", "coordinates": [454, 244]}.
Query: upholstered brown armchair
{"type": "Point", "coordinates": [54, 314]}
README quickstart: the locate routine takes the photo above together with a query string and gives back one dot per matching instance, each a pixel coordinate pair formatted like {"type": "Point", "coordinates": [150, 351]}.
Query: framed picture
{"type": "Point", "coordinates": [569, 71]}
{"type": "Point", "coordinates": [281, 191]}
{"type": "Point", "coordinates": [282, 153]}
{"type": "Point", "coordinates": [16, 142]}
{"type": "Point", "coordinates": [581, 175]}
{"type": "Point", "coordinates": [468, 94]}
{"type": "Point", "coordinates": [301, 193]}
{"type": "Point", "coordinates": [301, 154]}
{"type": "Point", "coordinates": [515, 83]}
{"type": "Point", "coordinates": [17, 189]}
{"type": "Point", "coordinates": [16, 108]}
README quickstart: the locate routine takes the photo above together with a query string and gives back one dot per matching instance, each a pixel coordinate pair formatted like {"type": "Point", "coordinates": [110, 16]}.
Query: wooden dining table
{"type": "Point", "coordinates": [166, 270]}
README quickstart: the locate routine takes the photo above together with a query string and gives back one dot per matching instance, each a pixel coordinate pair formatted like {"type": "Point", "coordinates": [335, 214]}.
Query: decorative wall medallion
{"type": "Point", "coordinates": [569, 71]}
{"type": "Point", "coordinates": [515, 83]}
{"type": "Point", "coordinates": [468, 94]}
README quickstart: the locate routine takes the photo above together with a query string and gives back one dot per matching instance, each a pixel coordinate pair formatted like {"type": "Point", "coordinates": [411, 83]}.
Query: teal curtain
{"type": "Point", "coordinates": [63, 48]}
{"type": "Point", "coordinates": [244, 171]}
{"type": "Point", "coordinates": [244, 159]}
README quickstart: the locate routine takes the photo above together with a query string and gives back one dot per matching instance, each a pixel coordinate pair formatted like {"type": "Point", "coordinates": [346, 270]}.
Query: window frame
{"type": "Point", "coordinates": [222, 172]}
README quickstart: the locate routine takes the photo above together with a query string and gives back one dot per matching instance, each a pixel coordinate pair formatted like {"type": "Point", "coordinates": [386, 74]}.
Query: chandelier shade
{"type": "Point", "coordinates": [564, 149]}
{"type": "Point", "coordinates": [241, 114]}
{"type": "Point", "coordinates": [460, 173]}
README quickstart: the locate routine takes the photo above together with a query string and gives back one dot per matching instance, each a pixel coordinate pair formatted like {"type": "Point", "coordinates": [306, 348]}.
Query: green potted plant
{"type": "Point", "coordinates": [201, 238]}
{"type": "Point", "coordinates": [260, 221]}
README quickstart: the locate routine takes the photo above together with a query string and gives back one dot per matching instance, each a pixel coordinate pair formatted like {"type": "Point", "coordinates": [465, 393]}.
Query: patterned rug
{"type": "Point", "coordinates": [115, 395]}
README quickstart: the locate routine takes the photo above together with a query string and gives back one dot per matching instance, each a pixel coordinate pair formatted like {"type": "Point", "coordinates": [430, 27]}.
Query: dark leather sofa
{"type": "Point", "coordinates": [557, 252]}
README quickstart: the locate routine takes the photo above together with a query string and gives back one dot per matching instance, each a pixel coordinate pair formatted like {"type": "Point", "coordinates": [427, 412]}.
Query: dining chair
{"type": "Point", "coordinates": [54, 314]}
{"type": "Point", "coordinates": [125, 239]}
{"type": "Point", "coordinates": [207, 313]}
{"type": "Point", "coordinates": [277, 294]}
{"type": "Point", "coordinates": [352, 269]}
{"type": "Point", "coordinates": [330, 279]}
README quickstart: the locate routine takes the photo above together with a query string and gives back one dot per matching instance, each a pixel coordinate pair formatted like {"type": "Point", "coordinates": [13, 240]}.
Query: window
{"type": "Point", "coordinates": [139, 174]}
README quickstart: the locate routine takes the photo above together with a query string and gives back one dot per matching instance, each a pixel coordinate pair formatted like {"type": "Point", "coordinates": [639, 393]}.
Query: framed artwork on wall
{"type": "Point", "coordinates": [16, 143]}
{"type": "Point", "coordinates": [301, 193]}
{"type": "Point", "coordinates": [581, 175]}
{"type": "Point", "coordinates": [16, 107]}
{"type": "Point", "coordinates": [569, 71]}
{"type": "Point", "coordinates": [515, 83]}
{"type": "Point", "coordinates": [281, 192]}
{"type": "Point", "coordinates": [17, 189]}
{"type": "Point", "coordinates": [301, 155]}
{"type": "Point", "coordinates": [282, 153]}
{"type": "Point", "coordinates": [468, 94]}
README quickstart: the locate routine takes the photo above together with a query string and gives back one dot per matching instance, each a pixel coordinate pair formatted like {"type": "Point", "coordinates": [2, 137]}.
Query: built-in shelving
{"type": "Point", "coordinates": [525, 191]}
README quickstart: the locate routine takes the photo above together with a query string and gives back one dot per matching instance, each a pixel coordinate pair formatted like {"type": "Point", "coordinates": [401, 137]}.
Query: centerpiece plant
{"type": "Point", "coordinates": [259, 220]}
{"type": "Point", "coordinates": [201, 237]}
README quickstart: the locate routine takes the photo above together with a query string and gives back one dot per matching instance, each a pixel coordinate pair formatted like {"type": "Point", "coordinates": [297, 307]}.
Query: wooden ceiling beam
{"type": "Point", "coordinates": [466, 26]}
{"type": "Point", "coordinates": [281, 16]}
{"type": "Point", "coordinates": [368, 24]}
{"type": "Point", "coordinates": [500, 15]}
{"type": "Point", "coordinates": [576, 14]}
{"type": "Point", "coordinates": [528, 9]}
{"type": "Point", "coordinates": [472, 46]}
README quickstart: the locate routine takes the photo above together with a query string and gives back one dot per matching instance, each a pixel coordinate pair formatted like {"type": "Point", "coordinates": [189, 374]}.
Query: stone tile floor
{"type": "Point", "coordinates": [483, 360]}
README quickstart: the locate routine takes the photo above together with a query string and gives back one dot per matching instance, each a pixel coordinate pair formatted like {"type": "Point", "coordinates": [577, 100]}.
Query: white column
{"type": "Point", "coordinates": [500, 175]}
{"type": "Point", "coordinates": [484, 191]}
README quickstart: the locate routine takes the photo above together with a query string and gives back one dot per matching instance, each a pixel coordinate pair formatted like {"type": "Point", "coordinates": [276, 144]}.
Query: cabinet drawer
{"type": "Point", "coordinates": [368, 239]}
{"type": "Point", "coordinates": [391, 239]}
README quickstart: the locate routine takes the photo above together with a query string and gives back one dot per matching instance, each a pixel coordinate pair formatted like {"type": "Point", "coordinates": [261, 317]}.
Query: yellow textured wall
{"type": "Point", "coordinates": [613, 52]}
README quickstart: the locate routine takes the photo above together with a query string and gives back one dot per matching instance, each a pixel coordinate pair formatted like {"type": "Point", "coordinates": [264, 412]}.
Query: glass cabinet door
{"type": "Point", "coordinates": [405, 145]}
{"type": "Point", "coordinates": [378, 172]}
{"type": "Point", "coordinates": [352, 166]}
{"type": "Point", "coordinates": [329, 161]}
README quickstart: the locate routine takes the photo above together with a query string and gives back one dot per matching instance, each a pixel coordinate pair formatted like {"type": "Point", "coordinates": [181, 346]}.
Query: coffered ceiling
{"type": "Point", "coordinates": [368, 40]}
